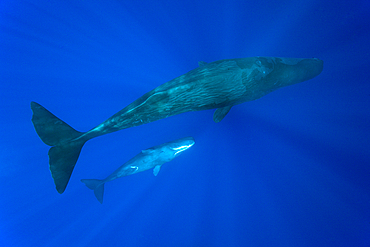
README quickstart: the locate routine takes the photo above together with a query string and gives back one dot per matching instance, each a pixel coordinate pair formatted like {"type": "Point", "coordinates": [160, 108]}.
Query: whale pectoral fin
{"type": "Point", "coordinates": [201, 63]}
{"type": "Point", "coordinates": [220, 113]}
{"type": "Point", "coordinates": [156, 170]}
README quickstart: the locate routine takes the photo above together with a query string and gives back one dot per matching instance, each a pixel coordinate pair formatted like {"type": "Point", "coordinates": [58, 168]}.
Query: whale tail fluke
{"type": "Point", "coordinates": [96, 185]}
{"type": "Point", "coordinates": [65, 141]}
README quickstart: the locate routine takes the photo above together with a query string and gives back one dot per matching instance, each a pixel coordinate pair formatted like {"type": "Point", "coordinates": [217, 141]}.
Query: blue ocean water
{"type": "Point", "coordinates": [289, 169]}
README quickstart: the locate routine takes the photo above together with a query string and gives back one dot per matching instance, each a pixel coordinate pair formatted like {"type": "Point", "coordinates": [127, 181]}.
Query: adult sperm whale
{"type": "Point", "coordinates": [220, 84]}
{"type": "Point", "coordinates": [153, 157]}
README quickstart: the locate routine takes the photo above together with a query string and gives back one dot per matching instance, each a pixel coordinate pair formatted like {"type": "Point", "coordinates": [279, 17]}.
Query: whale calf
{"type": "Point", "coordinates": [217, 85]}
{"type": "Point", "coordinates": [149, 158]}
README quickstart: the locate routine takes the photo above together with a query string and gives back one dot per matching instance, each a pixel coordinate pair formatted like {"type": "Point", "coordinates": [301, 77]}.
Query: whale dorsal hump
{"type": "Point", "coordinates": [148, 151]}
{"type": "Point", "coordinates": [201, 63]}
{"type": "Point", "coordinates": [220, 113]}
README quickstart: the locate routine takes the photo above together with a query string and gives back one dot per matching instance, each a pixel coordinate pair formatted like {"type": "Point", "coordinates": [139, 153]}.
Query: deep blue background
{"type": "Point", "coordinates": [289, 169]}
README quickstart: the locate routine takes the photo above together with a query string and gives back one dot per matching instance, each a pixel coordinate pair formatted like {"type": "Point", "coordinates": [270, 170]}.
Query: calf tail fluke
{"type": "Point", "coordinates": [96, 185]}
{"type": "Point", "coordinates": [65, 141]}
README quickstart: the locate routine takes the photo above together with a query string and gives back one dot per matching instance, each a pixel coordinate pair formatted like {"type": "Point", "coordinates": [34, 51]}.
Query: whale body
{"type": "Point", "coordinates": [149, 158]}
{"type": "Point", "coordinates": [217, 85]}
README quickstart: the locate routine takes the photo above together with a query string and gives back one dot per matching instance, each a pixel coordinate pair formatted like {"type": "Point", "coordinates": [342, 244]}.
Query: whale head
{"type": "Point", "coordinates": [178, 146]}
